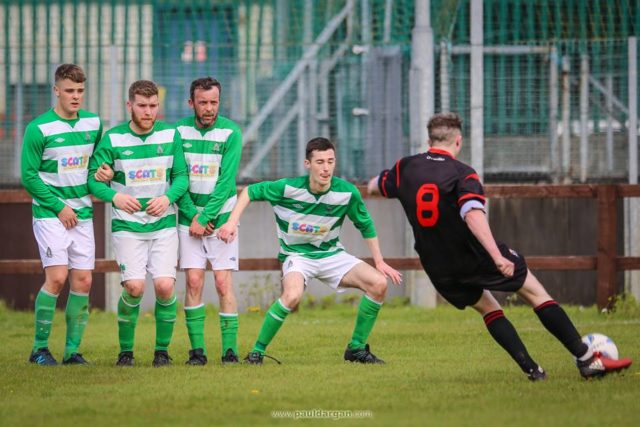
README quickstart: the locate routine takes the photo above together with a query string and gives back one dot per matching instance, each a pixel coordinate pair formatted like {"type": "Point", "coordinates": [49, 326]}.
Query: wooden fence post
{"type": "Point", "coordinates": [607, 251]}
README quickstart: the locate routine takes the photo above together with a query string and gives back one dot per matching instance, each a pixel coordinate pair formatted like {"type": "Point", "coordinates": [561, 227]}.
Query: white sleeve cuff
{"type": "Point", "coordinates": [471, 204]}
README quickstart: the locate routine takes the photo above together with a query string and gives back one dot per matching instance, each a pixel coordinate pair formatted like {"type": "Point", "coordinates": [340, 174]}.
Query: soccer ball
{"type": "Point", "coordinates": [602, 344]}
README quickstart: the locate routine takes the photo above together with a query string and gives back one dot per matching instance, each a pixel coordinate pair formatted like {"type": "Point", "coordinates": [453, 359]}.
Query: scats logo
{"type": "Point", "coordinates": [204, 170]}
{"type": "Point", "coordinates": [73, 163]}
{"type": "Point", "coordinates": [309, 229]}
{"type": "Point", "coordinates": [146, 175]}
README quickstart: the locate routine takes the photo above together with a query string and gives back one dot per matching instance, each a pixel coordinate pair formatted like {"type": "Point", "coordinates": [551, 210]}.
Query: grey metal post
{"type": "Point", "coordinates": [444, 76]}
{"type": "Point", "coordinates": [554, 152]}
{"type": "Point", "coordinates": [388, 9]}
{"type": "Point", "coordinates": [19, 127]}
{"type": "Point", "coordinates": [633, 110]}
{"type": "Point", "coordinates": [609, 104]}
{"type": "Point", "coordinates": [421, 76]}
{"type": "Point", "coordinates": [566, 116]}
{"type": "Point", "coordinates": [477, 89]}
{"type": "Point", "coordinates": [632, 204]}
{"type": "Point", "coordinates": [112, 280]}
{"type": "Point", "coordinates": [584, 117]}
{"type": "Point", "coordinates": [421, 108]}
{"type": "Point", "coordinates": [302, 122]}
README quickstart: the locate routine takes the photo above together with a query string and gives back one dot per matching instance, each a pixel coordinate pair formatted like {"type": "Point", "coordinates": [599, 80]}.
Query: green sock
{"type": "Point", "coordinates": [128, 310]}
{"type": "Point", "coordinates": [229, 331]}
{"type": "Point", "coordinates": [367, 314]}
{"type": "Point", "coordinates": [45, 309]}
{"type": "Point", "coordinates": [272, 321]}
{"type": "Point", "coordinates": [77, 315]}
{"type": "Point", "coordinates": [166, 311]}
{"type": "Point", "coordinates": [195, 326]}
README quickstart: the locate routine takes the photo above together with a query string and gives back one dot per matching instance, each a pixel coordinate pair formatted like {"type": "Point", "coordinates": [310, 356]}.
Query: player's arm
{"type": "Point", "coordinates": [226, 178]}
{"type": "Point", "coordinates": [157, 206]}
{"type": "Point", "coordinates": [471, 201]}
{"type": "Point", "coordinates": [359, 215]}
{"type": "Point", "coordinates": [228, 231]}
{"type": "Point", "coordinates": [386, 183]}
{"type": "Point", "coordinates": [103, 154]}
{"type": "Point", "coordinates": [104, 173]}
{"type": "Point", "coordinates": [477, 222]}
{"type": "Point", "coordinates": [381, 265]}
{"type": "Point", "coordinates": [32, 149]}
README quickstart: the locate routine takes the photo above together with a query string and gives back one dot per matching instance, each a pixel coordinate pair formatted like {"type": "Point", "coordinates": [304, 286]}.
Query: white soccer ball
{"type": "Point", "coordinates": [601, 343]}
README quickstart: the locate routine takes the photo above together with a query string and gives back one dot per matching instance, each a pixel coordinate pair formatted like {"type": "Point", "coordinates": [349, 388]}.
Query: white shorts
{"type": "Point", "coordinates": [195, 252]}
{"type": "Point", "coordinates": [329, 271]}
{"type": "Point", "coordinates": [75, 247]}
{"type": "Point", "coordinates": [136, 257]}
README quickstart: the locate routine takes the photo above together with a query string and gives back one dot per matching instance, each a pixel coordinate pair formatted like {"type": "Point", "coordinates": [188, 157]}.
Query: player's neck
{"type": "Point", "coordinates": [64, 114]}
{"type": "Point", "coordinates": [317, 188]}
{"type": "Point", "coordinates": [444, 150]}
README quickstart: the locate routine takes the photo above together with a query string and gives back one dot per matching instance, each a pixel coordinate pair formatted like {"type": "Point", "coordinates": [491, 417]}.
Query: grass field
{"type": "Point", "coordinates": [442, 369]}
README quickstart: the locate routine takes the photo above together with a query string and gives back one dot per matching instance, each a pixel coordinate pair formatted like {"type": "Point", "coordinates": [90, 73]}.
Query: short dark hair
{"type": "Point", "coordinates": [443, 126]}
{"type": "Point", "coordinates": [145, 88]}
{"type": "Point", "coordinates": [71, 72]}
{"type": "Point", "coordinates": [318, 144]}
{"type": "Point", "coordinates": [204, 83]}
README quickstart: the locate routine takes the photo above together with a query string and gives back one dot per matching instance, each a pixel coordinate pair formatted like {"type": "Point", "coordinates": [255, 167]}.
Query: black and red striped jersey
{"type": "Point", "coordinates": [434, 189]}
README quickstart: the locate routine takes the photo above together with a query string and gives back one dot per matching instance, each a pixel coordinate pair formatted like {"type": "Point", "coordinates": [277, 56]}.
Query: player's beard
{"type": "Point", "coordinates": [146, 126]}
{"type": "Point", "coordinates": [210, 121]}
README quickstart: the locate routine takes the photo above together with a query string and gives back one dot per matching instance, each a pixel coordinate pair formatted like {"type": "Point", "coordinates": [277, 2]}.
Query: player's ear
{"type": "Point", "coordinates": [307, 163]}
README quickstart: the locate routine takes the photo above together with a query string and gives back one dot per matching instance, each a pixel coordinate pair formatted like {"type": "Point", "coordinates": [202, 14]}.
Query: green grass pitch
{"type": "Point", "coordinates": [442, 368]}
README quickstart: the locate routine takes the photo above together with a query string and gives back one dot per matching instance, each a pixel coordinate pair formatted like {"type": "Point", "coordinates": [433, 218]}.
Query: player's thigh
{"type": "Point", "coordinates": [192, 252]}
{"type": "Point", "coordinates": [53, 242]}
{"type": "Point", "coordinates": [532, 291]}
{"type": "Point", "coordinates": [364, 277]}
{"type": "Point", "coordinates": [82, 250]}
{"type": "Point", "coordinates": [131, 255]}
{"type": "Point", "coordinates": [163, 256]}
{"type": "Point", "coordinates": [293, 285]}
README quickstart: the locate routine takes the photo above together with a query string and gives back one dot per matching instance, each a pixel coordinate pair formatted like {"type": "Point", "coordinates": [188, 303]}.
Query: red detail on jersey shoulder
{"type": "Point", "coordinates": [398, 174]}
{"type": "Point", "coordinates": [442, 152]}
{"type": "Point", "coordinates": [383, 182]}
{"type": "Point", "coordinates": [472, 176]}
{"type": "Point", "coordinates": [471, 196]}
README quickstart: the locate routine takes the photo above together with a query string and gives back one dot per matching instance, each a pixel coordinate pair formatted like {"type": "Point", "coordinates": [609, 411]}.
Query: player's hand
{"type": "Point", "coordinates": [158, 206]}
{"type": "Point", "coordinates": [505, 266]}
{"type": "Point", "coordinates": [197, 230]}
{"type": "Point", "coordinates": [372, 186]}
{"type": "Point", "coordinates": [389, 272]}
{"type": "Point", "coordinates": [126, 202]}
{"type": "Point", "coordinates": [104, 173]}
{"type": "Point", "coordinates": [209, 229]}
{"type": "Point", "coordinates": [227, 233]}
{"type": "Point", "coordinates": [68, 217]}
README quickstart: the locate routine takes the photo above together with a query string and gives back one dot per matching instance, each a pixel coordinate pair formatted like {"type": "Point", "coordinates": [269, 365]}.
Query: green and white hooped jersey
{"type": "Point", "coordinates": [309, 224]}
{"type": "Point", "coordinates": [145, 166]}
{"type": "Point", "coordinates": [55, 157]}
{"type": "Point", "coordinates": [213, 158]}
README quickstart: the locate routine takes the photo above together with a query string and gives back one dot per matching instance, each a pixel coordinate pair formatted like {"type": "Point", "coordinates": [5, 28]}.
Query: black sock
{"type": "Point", "coordinates": [505, 334]}
{"type": "Point", "coordinates": [554, 318]}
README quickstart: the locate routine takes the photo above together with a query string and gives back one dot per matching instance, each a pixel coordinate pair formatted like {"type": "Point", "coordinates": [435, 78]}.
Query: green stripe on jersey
{"type": "Point", "coordinates": [55, 157]}
{"type": "Point", "coordinates": [213, 156]}
{"type": "Point", "coordinates": [309, 224]}
{"type": "Point", "coordinates": [145, 166]}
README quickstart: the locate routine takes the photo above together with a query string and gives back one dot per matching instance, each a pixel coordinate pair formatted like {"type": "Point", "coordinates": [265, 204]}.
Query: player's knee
{"type": "Point", "coordinates": [291, 299]}
{"type": "Point", "coordinates": [378, 288]}
{"type": "Point", "coordinates": [223, 287]}
{"type": "Point", "coordinates": [81, 282]}
{"type": "Point", "coordinates": [54, 282]}
{"type": "Point", "coordinates": [194, 283]}
{"type": "Point", "coordinates": [164, 288]}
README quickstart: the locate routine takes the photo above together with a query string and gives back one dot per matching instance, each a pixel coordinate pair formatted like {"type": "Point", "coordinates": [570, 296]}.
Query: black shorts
{"type": "Point", "coordinates": [465, 291]}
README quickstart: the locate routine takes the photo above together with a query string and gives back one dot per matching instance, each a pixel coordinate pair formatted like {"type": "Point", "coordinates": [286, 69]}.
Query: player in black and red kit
{"type": "Point", "coordinates": [444, 203]}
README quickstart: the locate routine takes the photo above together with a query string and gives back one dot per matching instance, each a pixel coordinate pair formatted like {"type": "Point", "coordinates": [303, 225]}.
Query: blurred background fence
{"type": "Point", "coordinates": [293, 69]}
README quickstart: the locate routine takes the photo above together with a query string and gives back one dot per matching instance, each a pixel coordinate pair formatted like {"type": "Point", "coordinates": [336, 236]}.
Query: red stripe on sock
{"type": "Point", "coordinates": [490, 317]}
{"type": "Point", "coordinates": [545, 304]}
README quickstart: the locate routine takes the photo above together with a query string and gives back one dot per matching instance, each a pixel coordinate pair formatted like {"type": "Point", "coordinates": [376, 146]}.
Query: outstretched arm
{"type": "Point", "coordinates": [381, 266]}
{"type": "Point", "coordinates": [229, 229]}
{"type": "Point", "coordinates": [477, 222]}
{"type": "Point", "coordinates": [372, 186]}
